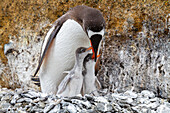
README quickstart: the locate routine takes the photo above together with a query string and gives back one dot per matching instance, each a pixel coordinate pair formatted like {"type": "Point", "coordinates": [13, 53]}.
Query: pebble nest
{"type": "Point", "coordinates": [21, 100]}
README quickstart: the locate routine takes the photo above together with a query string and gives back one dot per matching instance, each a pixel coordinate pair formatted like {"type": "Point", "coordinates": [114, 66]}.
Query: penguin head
{"type": "Point", "coordinates": [88, 60]}
{"type": "Point", "coordinates": [82, 52]}
{"type": "Point", "coordinates": [94, 26]}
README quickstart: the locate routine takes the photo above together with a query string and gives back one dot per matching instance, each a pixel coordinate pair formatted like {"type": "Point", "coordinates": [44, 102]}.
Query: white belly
{"type": "Point", "coordinates": [89, 84]}
{"type": "Point", "coordinates": [62, 55]}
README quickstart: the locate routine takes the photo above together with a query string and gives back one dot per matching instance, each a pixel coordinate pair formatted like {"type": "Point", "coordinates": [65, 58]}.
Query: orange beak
{"type": "Point", "coordinates": [97, 56]}
{"type": "Point", "coordinates": [92, 51]}
{"type": "Point", "coordinates": [89, 48]}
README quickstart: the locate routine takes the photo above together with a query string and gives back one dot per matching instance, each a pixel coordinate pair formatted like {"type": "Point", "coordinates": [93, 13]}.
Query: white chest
{"type": "Point", "coordinates": [61, 56]}
{"type": "Point", "coordinates": [70, 37]}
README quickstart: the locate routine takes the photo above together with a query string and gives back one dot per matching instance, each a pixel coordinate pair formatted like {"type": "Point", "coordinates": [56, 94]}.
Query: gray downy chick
{"type": "Point", "coordinates": [90, 82]}
{"type": "Point", "coordinates": [71, 85]}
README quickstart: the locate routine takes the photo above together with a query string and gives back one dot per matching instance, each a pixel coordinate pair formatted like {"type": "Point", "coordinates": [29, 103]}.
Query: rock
{"type": "Point", "coordinates": [56, 109]}
{"type": "Point", "coordinates": [135, 109]}
{"type": "Point", "coordinates": [119, 96]}
{"type": "Point", "coordinates": [146, 93]}
{"type": "Point", "coordinates": [71, 108]}
{"type": "Point", "coordinates": [63, 111]}
{"type": "Point", "coordinates": [19, 90]}
{"type": "Point", "coordinates": [154, 99]}
{"type": "Point", "coordinates": [100, 99]}
{"type": "Point", "coordinates": [43, 99]}
{"type": "Point", "coordinates": [15, 98]}
{"type": "Point", "coordinates": [108, 107]}
{"type": "Point", "coordinates": [101, 107]}
{"type": "Point", "coordinates": [104, 107]}
{"type": "Point", "coordinates": [2, 110]}
{"type": "Point", "coordinates": [21, 111]}
{"type": "Point", "coordinates": [130, 94]}
{"type": "Point", "coordinates": [38, 110]}
{"type": "Point", "coordinates": [4, 105]}
{"type": "Point", "coordinates": [6, 98]}
{"type": "Point", "coordinates": [127, 102]}
{"type": "Point", "coordinates": [78, 108]}
{"type": "Point", "coordinates": [153, 111]}
{"type": "Point", "coordinates": [125, 111]}
{"type": "Point", "coordinates": [143, 100]}
{"type": "Point", "coordinates": [28, 100]}
{"type": "Point", "coordinates": [48, 108]}
{"type": "Point", "coordinates": [89, 97]}
{"type": "Point", "coordinates": [41, 104]}
{"type": "Point", "coordinates": [144, 110]}
{"type": "Point", "coordinates": [30, 94]}
{"type": "Point", "coordinates": [13, 101]}
{"type": "Point", "coordinates": [124, 98]}
{"type": "Point", "coordinates": [153, 105]}
{"type": "Point", "coordinates": [90, 111]}
{"type": "Point", "coordinates": [17, 105]}
{"type": "Point", "coordinates": [79, 97]}
{"type": "Point", "coordinates": [163, 109]}
{"type": "Point", "coordinates": [116, 107]}
{"type": "Point", "coordinates": [85, 104]}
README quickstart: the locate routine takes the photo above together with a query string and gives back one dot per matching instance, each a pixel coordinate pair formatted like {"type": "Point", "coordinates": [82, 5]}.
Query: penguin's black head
{"type": "Point", "coordinates": [94, 26]}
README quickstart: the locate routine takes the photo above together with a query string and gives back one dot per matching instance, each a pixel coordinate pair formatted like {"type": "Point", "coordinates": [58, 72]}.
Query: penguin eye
{"type": "Point", "coordinates": [82, 50]}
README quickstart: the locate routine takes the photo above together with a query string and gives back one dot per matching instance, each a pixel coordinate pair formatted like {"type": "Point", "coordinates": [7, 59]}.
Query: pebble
{"type": "Point", "coordinates": [55, 109]}
{"type": "Point", "coordinates": [6, 98]}
{"type": "Point", "coordinates": [131, 94]}
{"type": "Point", "coordinates": [146, 93]}
{"type": "Point", "coordinates": [101, 99]}
{"type": "Point", "coordinates": [104, 107]}
{"type": "Point", "coordinates": [41, 104]}
{"type": "Point", "coordinates": [29, 100]}
{"type": "Point", "coordinates": [31, 95]}
{"type": "Point", "coordinates": [83, 103]}
{"type": "Point", "coordinates": [163, 109]}
{"type": "Point", "coordinates": [71, 108]}
{"type": "Point", "coordinates": [49, 108]}
{"type": "Point", "coordinates": [128, 102]}
{"type": "Point", "coordinates": [5, 105]}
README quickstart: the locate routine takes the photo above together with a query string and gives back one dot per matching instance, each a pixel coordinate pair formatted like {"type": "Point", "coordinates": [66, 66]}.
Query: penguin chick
{"type": "Point", "coordinates": [90, 82]}
{"type": "Point", "coordinates": [71, 85]}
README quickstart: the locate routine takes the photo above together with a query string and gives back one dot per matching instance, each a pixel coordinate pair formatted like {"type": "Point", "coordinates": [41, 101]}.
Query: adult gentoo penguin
{"type": "Point", "coordinates": [72, 84]}
{"type": "Point", "coordinates": [81, 26]}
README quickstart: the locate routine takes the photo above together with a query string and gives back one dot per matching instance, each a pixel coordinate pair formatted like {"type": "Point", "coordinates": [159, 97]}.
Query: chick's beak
{"type": "Point", "coordinates": [89, 48]}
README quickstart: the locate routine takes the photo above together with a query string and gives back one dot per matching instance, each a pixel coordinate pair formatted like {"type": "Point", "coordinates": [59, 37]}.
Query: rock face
{"type": "Point", "coordinates": [142, 63]}
{"type": "Point", "coordinates": [128, 102]}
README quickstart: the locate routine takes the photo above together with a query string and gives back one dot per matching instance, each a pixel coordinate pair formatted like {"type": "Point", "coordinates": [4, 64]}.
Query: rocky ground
{"type": "Point", "coordinates": [128, 102]}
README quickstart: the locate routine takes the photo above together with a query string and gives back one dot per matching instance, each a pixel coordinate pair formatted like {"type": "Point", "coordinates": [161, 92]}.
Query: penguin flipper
{"type": "Point", "coordinates": [63, 84]}
{"type": "Point", "coordinates": [48, 43]}
{"type": "Point", "coordinates": [52, 33]}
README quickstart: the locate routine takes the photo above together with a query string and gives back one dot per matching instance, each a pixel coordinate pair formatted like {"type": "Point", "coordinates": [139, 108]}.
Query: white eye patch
{"type": "Point", "coordinates": [91, 33]}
